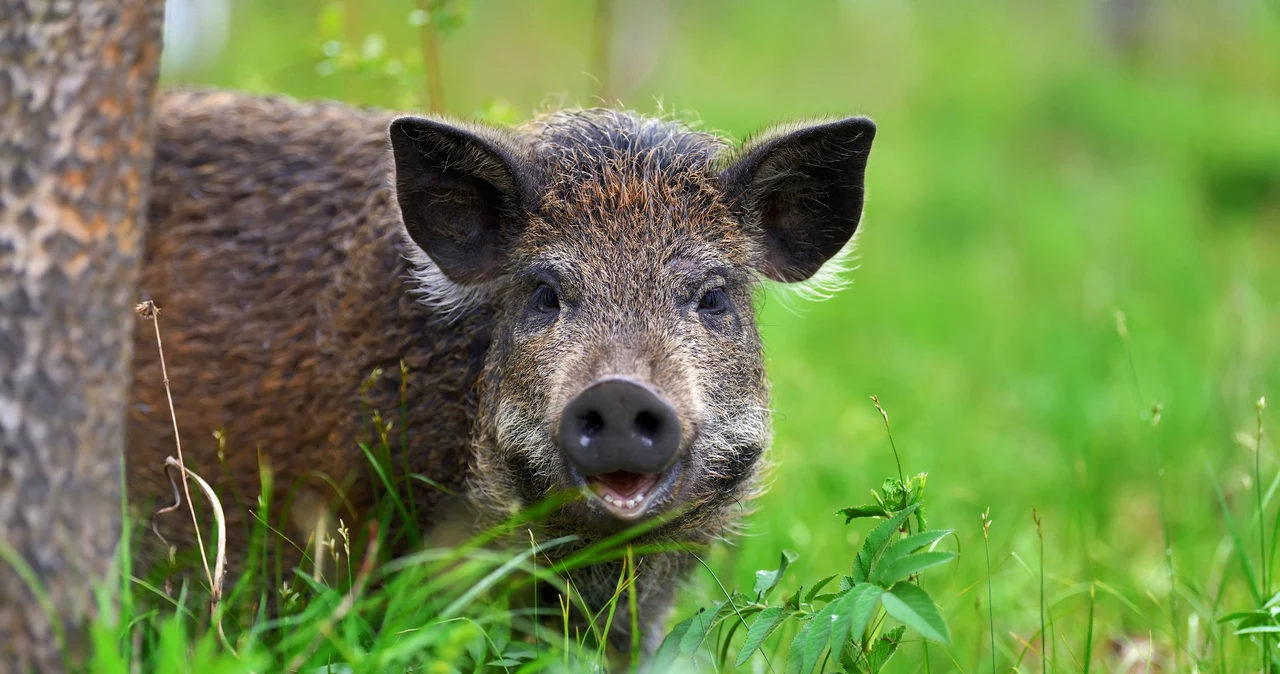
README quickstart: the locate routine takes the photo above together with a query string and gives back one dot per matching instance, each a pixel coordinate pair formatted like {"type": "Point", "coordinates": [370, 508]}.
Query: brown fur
{"type": "Point", "coordinates": [276, 258]}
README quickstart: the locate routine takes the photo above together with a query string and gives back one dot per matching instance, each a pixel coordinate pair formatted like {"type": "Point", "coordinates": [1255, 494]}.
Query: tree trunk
{"type": "Point", "coordinates": [77, 84]}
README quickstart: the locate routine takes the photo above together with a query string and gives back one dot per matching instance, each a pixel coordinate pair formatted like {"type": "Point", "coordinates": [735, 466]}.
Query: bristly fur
{"type": "Point", "coordinates": [437, 291]}
{"type": "Point", "coordinates": [290, 268]}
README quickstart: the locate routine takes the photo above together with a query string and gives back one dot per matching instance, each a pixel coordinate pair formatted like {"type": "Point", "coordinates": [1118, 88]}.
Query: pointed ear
{"type": "Point", "coordinates": [802, 189]}
{"type": "Point", "coordinates": [461, 194]}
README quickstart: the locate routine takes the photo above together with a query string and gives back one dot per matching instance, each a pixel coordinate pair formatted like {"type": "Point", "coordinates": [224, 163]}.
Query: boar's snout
{"type": "Point", "coordinates": [619, 425]}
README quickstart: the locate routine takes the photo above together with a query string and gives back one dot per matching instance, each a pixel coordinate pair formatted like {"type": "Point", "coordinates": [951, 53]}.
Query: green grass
{"type": "Point", "coordinates": [1027, 184]}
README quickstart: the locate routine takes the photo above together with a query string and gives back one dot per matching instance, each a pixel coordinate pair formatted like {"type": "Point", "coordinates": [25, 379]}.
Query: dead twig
{"type": "Point", "coordinates": [148, 310]}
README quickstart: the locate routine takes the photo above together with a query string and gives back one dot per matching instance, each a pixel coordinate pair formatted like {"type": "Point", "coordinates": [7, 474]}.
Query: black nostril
{"type": "Point", "coordinates": [648, 426]}
{"type": "Point", "coordinates": [592, 424]}
{"type": "Point", "coordinates": [618, 424]}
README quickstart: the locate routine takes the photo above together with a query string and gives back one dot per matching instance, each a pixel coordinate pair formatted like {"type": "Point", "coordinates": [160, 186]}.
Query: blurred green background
{"type": "Point", "coordinates": [1040, 166]}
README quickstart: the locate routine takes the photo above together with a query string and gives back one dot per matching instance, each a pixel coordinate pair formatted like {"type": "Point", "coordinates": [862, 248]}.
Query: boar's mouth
{"type": "Point", "coordinates": [628, 496]}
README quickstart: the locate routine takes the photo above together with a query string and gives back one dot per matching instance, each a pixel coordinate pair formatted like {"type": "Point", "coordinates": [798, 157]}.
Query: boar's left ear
{"type": "Point", "coordinates": [802, 190]}
{"type": "Point", "coordinates": [460, 192]}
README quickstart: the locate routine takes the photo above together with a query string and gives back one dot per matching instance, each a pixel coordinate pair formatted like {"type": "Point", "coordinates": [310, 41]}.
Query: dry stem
{"type": "Point", "coordinates": [149, 310]}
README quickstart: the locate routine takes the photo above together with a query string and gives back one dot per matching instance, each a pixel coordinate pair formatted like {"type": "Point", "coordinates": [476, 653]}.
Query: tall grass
{"type": "Point", "coordinates": [466, 605]}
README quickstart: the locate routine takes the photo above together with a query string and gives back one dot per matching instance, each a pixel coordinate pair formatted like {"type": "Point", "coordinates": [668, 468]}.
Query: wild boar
{"type": "Point", "coordinates": [572, 300]}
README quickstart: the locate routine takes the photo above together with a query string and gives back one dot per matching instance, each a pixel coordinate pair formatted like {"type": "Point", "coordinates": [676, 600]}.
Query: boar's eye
{"type": "Point", "coordinates": [713, 302]}
{"type": "Point", "coordinates": [546, 300]}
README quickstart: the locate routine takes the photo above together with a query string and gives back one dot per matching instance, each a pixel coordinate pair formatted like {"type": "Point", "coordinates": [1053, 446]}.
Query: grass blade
{"type": "Point", "coordinates": [455, 607]}
{"type": "Point", "coordinates": [1088, 639]}
{"type": "Point", "coordinates": [1242, 553]}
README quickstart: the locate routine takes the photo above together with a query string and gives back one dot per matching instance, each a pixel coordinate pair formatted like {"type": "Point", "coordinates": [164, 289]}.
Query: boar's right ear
{"type": "Point", "coordinates": [800, 190]}
{"type": "Point", "coordinates": [460, 194]}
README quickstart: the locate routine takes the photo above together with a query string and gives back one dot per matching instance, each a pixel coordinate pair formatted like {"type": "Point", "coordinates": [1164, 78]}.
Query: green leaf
{"type": "Point", "coordinates": [767, 580]}
{"type": "Point", "coordinates": [795, 654]}
{"type": "Point", "coordinates": [884, 649]}
{"type": "Point", "coordinates": [854, 613]}
{"type": "Point", "coordinates": [911, 605]}
{"type": "Point", "coordinates": [888, 574]}
{"type": "Point", "coordinates": [909, 544]}
{"type": "Point", "coordinates": [813, 591]}
{"type": "Point", "coordinates": [819, 635]}
{"type": "Point", "coordinates": [699, 625]}
{"type": "Point", "coordinates": [703, 622]}
{"type": "Point", "coordinates": [708, 620]}
{"type": "Point", "coordinates": [769, 620]}
{"type": "Point", "coordinates": [850, 661]}
{"type": "Point", "coordinates": [893, 490]}
{"type": "Point", "coordinates": [876, 541]}
{"type": "Point", "coordinates": [734, 607]}
{"type": "Point", "coordinates": [670, 647]}
{"type": "Point", "coordinates": [862, 511]}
